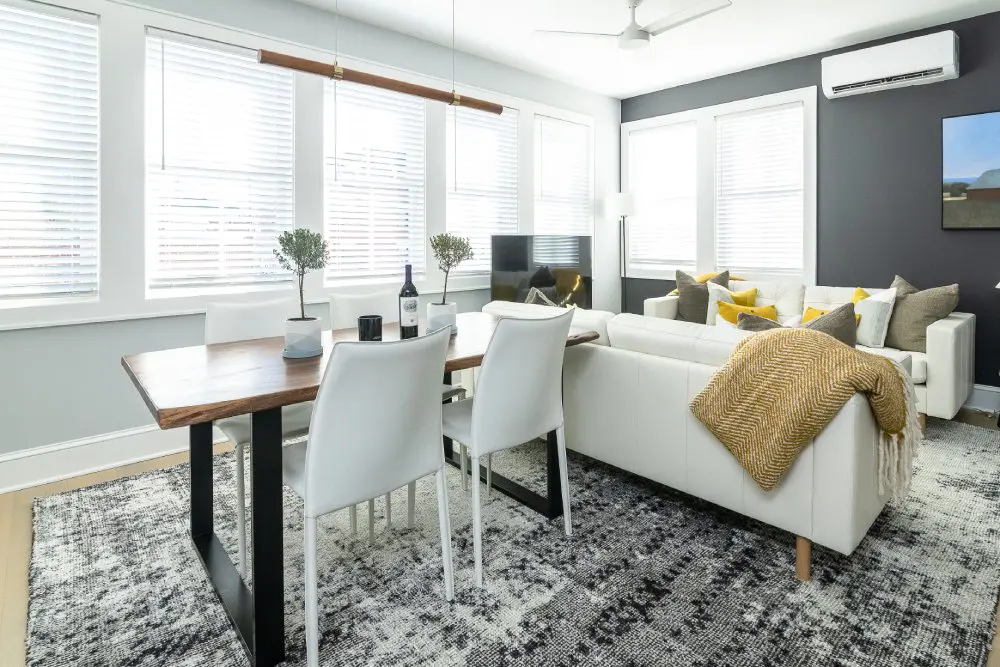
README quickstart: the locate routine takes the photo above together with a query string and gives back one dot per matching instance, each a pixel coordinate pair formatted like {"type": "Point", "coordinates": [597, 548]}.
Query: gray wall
{"type": "Point", "coordinates": [879, 176]}
{"type": "Point", "coordinates": [64, 383]}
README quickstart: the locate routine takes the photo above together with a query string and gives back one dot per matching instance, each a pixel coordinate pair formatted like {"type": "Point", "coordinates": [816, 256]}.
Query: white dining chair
{"type": "Point", "coordinates": [518, 398]}
{"type": "Point", "coordinates": [345, 309]}
{"type": "Point", "coordinates": [376, 426]}
{"type": "Point", "coordinates": [229, 322]}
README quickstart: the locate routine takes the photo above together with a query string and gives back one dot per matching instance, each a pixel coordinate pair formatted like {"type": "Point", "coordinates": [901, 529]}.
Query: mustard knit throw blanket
{"type": "Point", "coordinates": [781, 387]}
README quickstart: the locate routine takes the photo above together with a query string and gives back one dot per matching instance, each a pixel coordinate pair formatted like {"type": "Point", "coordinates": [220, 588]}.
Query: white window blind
{"type": "Point", "coordinates": [563, 177]}
{"type": "Point", "coordinates": [48, 156]}
{"type": "Point", "coordinates": [482, 180]}
{"type": "Point", "coordinates": [219, 158]}
{"type": "Point", "coordinates": [760, 190]}
{"type": "Point", "coordinates": [662, 177]}
{"type": "Point", "coordinates": [374, 163]}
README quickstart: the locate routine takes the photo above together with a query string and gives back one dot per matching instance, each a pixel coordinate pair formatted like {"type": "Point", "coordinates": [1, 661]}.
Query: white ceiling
{"type": "Point", "coordinates": [748, 34]}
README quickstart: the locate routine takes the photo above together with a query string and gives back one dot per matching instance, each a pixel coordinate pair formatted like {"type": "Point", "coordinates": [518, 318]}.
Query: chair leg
{"type": "Point", "coordinates": [444, 518]}
{"type": "Point", "coordinates": [411, 502]}
{"type": "Point", "coordinates": [312, 595]}
{"type": "Point", "coordinates": [353, 512]}
{"type": "Point", "coordinates": [241, 511]}
{"type": "Point", "coordinates": [477, 527]}
{"type": "Point", "coordinates": [564, 478]}
{"type": "Point", "coordinates": [388, 510]}
{"type": "Point", "coordinates": [489, 475]}
{"type": "Point", "coordinates": [371, 521]}
{"type": "Point", "coordinates": [462, 467]}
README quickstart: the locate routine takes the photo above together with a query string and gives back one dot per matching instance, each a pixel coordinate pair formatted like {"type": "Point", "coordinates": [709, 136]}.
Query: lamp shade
{"type": "Point", "coordinates": [619, 204]}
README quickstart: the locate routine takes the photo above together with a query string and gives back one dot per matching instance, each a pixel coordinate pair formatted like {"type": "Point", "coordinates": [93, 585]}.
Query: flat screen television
{"type": "Point", "coordinates": [550, 270]}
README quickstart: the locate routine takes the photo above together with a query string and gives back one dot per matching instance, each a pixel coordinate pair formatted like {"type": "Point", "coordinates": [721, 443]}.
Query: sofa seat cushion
{"type": "Point", "coordinates": [917, 361]}
{"type": "Point", "coordinates": [685, 341]}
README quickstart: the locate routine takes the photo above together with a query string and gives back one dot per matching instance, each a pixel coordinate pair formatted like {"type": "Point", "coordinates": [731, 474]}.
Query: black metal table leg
{"type": "Point", "coordinates": [258, 616]}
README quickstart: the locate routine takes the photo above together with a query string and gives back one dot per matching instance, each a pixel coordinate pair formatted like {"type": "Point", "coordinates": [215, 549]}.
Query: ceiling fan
{"type": "Point", "coordinates": [635, 36]}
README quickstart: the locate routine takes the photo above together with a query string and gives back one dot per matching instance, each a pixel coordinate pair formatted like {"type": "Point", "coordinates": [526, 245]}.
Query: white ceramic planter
{"type": "Point", "coordinates": [441, 315]}
{"type": "Point", "coordinates": [303, 338]}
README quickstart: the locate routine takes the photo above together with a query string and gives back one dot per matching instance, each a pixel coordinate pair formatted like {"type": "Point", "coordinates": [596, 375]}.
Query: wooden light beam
{"type": "Point", "coordinates": [341, 74]}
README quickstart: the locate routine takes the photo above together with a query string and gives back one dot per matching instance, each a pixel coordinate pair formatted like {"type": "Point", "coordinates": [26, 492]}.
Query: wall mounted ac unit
{"type": "Point", "coordinates": [909, 62]}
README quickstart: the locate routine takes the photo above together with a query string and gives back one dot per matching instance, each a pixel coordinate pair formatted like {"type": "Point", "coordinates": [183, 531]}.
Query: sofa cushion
{"type": "Point", "coordinates": [717, 293]}
{"type": "Point", "coordinates": [915, 311]}
{"type": "Point", "coordinates": [693, 305]}
{"type": "Point", "coordinates": [786, 297]}
{"type": "Point", "coordinates": [914, 362]}
{"type": "Point", "coordinates": [685, 341]}
{"type": "Point", "coordinates": [594, 320]}
{"type": "Point", "coordinates": [822, 297]}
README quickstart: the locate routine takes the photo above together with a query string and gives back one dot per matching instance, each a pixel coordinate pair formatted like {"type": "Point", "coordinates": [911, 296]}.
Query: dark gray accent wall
{"type": "Point", "coordinates": [879, 174]}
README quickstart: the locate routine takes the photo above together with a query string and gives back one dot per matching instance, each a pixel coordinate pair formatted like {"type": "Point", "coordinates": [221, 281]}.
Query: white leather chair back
{"type": "Point", "coordinates": [228, 322]}
{"type": "Point", "coordinates": [519, 392]}
{"type": "Point", "coordinates": [346, 309]}
{"type": "Point", "coordinates": [583, 318]}
{"type": "Point", "coordinates": [376, 421]}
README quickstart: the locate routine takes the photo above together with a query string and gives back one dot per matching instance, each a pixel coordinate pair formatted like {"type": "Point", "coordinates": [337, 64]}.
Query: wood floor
{"type": "Point", "coordinates": [15, 545]}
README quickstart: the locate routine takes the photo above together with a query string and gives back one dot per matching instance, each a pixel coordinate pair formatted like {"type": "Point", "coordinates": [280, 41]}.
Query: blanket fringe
{"type": "Point", "coordinates": [897, 451]}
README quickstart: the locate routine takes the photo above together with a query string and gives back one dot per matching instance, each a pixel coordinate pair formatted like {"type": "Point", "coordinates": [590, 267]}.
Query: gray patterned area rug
{"type": "Point", "coordinates": [650, 577]}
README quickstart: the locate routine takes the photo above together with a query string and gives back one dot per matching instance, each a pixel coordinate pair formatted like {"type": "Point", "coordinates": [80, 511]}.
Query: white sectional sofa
{"type": "Point", "coordinates": [626, 402]}
{"type": "Point", "coordinates": [943, 376]}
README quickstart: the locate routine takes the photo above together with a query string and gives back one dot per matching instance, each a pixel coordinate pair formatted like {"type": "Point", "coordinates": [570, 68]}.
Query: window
{"type": "Point", "coordinates": [760, 190]}
{"type": "Point", "coordinates": [374, 182]}
{"type": "Point", "coordinates": [563, 181]}
{"type": "Point", "coordinates": [662, 168]}
{"type": "Point", "coordinates": [482, 180]}
{"type": "Point", "coordinates": [726, 187]}
{"type": "Point", "coordinates": [219, 160]}
{"type": "Point", "coordinates": [48, 156]}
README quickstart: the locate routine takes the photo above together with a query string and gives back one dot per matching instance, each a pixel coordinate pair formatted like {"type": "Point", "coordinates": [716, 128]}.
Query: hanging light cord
{"type": "Point", "coordinates": [453, 110]}
{"type": "Point", "coordinates": [336, 86]}
{"type": "Point", "coordinates": [163, 108]}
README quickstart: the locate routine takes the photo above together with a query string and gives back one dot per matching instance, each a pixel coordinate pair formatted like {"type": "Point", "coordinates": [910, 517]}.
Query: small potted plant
{"type": "Point", "coordinates": [301, 251]}
{"type": "Point", "coordinates": [449, 251]}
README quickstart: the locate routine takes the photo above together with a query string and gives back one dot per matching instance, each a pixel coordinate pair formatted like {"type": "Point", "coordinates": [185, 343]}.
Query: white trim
{"type": "Point", "coordinates": [984, 397]}
{"type": "Point", "coordinates": [705, 118]}
{"type": "Point", "coordinates": [52, 463]}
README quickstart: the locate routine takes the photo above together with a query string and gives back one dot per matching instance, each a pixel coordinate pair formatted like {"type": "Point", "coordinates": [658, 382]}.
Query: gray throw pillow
{"type": "Point", "coordinates": [692, 304]}
{"type": "Point", "coordinates": [914, 311]}
{"type": "Point", "coordinates": [839, 323]}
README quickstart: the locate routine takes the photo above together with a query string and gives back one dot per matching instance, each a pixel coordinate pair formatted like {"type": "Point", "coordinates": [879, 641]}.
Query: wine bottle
{"type": "Point", "coordinates": [408, 307]}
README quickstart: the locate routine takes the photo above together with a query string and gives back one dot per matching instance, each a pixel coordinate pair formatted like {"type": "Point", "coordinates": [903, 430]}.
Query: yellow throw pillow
{"type": "Point", "coordinates": [704, 278]}
{"type": "Point", "coordinates": [859, 295]}
{"type": "Point", "coordinates": [747, 297]}
{"type": "Point", "coordinates": [730, 312]}
{"type": "Point", "coordinates": [813, 313]}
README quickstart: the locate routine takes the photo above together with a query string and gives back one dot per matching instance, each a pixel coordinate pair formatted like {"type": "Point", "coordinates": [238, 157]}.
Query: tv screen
{"type": "Point", "coordinates": [550, 270]}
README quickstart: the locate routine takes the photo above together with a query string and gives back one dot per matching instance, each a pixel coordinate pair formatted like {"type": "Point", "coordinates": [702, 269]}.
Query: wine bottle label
{"type": "Point", "coordinates": [407, 311]}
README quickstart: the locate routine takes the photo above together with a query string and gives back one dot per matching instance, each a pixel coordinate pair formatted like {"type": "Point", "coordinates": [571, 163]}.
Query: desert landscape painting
{"type": "Point", "coordinates": [971, 183]}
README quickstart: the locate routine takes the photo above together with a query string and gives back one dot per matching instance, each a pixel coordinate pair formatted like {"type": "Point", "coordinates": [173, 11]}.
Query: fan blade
{"type": "Point", "coordinates": [683, 16]}
{"type": "Point", "coordinates": [574, 33]}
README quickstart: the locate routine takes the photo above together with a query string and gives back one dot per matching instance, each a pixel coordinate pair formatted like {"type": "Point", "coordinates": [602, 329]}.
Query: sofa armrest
{"type": "Point", "coordinates": [951, 357]}
{"type": "Point", "coordinates": [662, 306]}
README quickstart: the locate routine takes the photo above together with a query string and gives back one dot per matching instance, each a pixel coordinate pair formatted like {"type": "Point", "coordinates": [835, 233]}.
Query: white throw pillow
{"type": "Point", "coordinates": [875, 312]}
{"type": "Point", "coordinates": [716, 293]}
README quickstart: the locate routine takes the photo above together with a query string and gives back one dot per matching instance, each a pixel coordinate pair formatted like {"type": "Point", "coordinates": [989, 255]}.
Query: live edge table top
{"type": "Point", "coordinates": [192, 385]}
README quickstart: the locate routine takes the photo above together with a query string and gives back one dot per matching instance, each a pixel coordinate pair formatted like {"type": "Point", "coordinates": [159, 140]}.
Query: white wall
{"type": "Point", "coordinates": [63, 383]}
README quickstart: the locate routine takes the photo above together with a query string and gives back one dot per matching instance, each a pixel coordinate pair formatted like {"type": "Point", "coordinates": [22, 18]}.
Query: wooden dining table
{"type": "Point", "coordinates": [194, 386]}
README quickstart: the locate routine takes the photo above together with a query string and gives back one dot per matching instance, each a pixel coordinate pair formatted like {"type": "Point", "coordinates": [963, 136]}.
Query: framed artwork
{"type": "Point", "coordinates": [971, 179]}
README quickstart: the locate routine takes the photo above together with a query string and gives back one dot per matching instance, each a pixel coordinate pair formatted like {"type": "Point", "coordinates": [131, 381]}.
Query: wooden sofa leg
{"type": "Point", "coordinates": [923, 422]}
{"type": "Point", "coordinates": [803, 558]}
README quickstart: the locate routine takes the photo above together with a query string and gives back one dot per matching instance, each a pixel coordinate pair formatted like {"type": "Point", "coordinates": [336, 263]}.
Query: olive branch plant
{"type": "Point", "coordinates": [450, 251]}
{"type": "Point", "coordinates": [301, 251]}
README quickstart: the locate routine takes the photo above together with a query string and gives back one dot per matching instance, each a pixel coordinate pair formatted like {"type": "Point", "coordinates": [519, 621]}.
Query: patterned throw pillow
{"type": "Point", "coordinates": [915, 311]}
{"type": "Point", "coordinates": [839, 323]}
{"type": "Point", "coordinates": [692, 306]}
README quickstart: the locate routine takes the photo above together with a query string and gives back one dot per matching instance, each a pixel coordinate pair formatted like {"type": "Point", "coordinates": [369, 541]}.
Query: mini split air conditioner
{"type": "Point", "coordinates": [909, 62]}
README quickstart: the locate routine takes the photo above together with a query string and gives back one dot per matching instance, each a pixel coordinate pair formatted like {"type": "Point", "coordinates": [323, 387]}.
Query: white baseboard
{"type": "Point", "coordinates": [984, 397]}
{"type": "Point", "coordinates": [52, 463]}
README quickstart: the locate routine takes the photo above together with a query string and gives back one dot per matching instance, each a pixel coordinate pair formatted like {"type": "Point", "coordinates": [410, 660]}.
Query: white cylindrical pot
{"type": "Point", "coordinates": [440, 315]}
{"type": "Point", "coordinates": [303, 338]}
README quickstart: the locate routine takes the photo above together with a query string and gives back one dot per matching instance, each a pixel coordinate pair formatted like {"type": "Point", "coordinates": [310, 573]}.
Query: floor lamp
{"type": "Point", "coordinates": [618, 207]}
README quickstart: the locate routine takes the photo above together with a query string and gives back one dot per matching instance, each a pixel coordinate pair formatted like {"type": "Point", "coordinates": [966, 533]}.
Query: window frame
{"type": "Point", "coordinates": [705, 118]}
{"type": "Point", "coordinates": [121, 149]}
